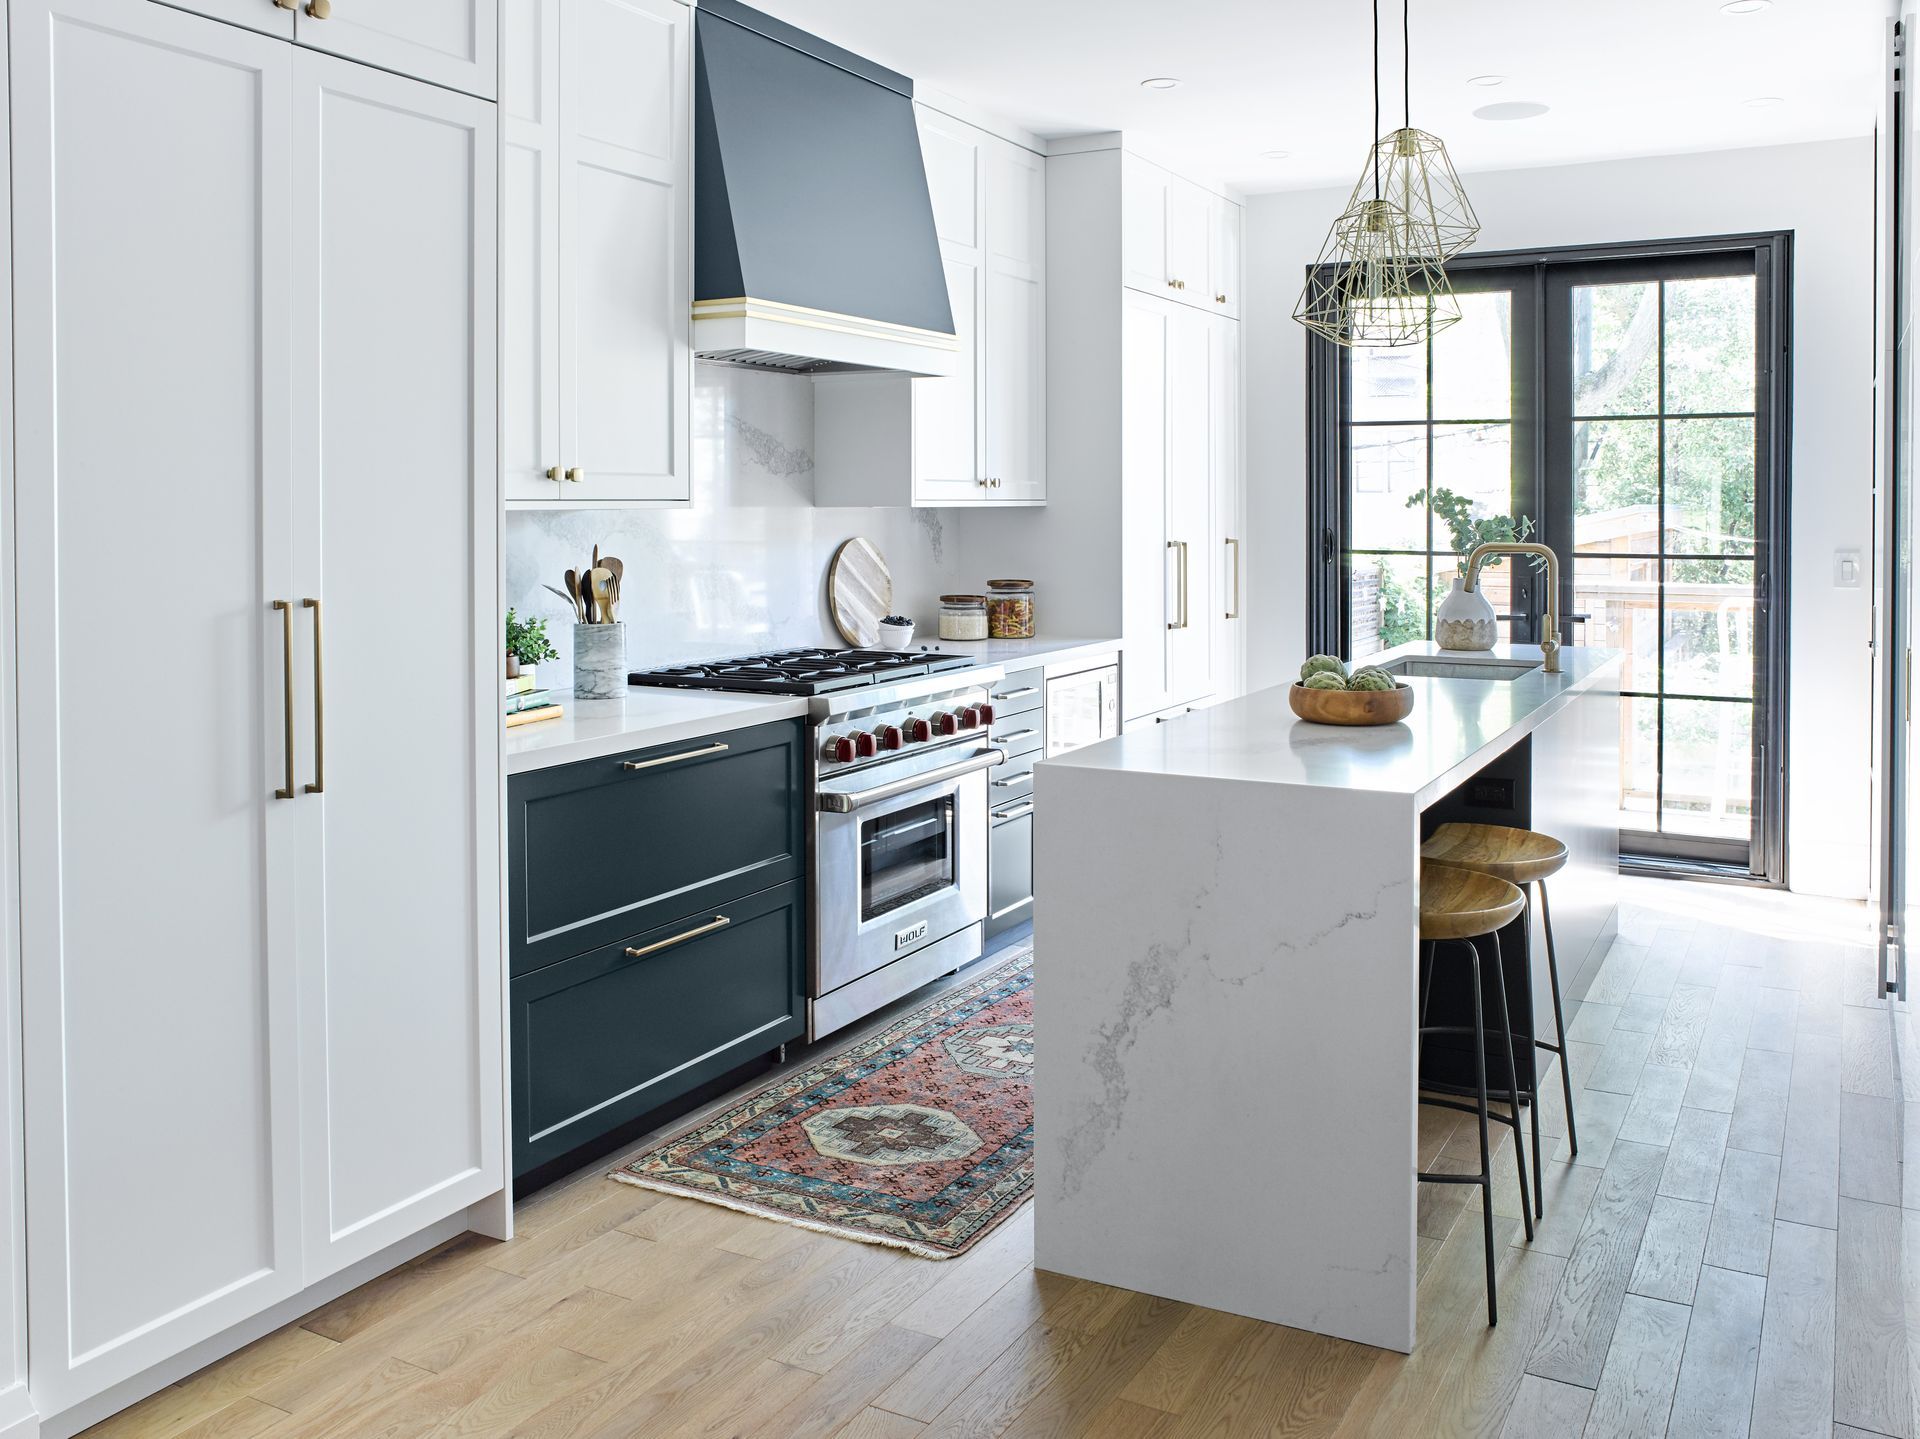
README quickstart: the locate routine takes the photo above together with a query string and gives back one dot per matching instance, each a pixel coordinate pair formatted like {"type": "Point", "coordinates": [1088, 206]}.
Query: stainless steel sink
{"type": "Point", "coordinates": [1460, 668]}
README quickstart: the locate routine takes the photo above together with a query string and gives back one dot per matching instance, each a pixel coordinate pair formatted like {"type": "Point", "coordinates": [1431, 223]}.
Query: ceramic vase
{"type": "Point", "coordinates": [1464, 620]}
{"type": "Point", "coordinates": [599, 661]}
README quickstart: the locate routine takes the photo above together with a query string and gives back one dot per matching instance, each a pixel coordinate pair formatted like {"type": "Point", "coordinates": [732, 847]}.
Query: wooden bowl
{"type": "Point", "coordinates": [1352, 706]}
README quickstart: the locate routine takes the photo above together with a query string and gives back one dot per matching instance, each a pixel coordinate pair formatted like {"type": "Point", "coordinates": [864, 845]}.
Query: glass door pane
{"type": "Point", "coordinates": [1662, 430]}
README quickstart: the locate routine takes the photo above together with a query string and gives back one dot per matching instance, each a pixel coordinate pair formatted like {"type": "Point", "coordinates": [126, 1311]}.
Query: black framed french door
{"type": "Point", "coordinates": [1643, 435]}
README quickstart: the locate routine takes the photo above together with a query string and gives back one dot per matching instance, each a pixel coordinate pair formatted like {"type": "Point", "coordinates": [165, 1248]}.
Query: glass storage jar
{"type": "Point", "coordinates": [963, 617]}
{"type": "Point", "coordinates": [1010, 610]}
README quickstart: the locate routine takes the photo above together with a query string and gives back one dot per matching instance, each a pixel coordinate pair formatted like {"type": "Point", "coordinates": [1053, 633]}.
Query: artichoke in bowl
{"type": "Point", "coordinates": [1324, 665]}
{"type": "Point", "coordinates": [1370, 678]}
{"type": "Point", "coordinates": [1323, 680]}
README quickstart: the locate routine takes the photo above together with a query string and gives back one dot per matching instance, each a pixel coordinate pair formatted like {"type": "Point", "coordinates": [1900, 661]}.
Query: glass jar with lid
{"type": "Point", "coordinates": [963, 617]}
{"type": "Point", "coordinates": [1010, 609]}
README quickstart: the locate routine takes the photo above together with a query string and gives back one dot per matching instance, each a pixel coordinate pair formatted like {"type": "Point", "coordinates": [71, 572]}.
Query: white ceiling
{"type": "Point", "coordinates": [1623, 77]}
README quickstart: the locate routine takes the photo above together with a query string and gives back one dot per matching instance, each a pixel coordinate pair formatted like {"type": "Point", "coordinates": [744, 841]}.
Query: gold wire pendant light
{"type": "Point", "coordinates": [1380, 277]}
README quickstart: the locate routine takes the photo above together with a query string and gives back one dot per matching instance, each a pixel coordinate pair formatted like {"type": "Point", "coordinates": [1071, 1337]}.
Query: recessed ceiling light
{"type": "Point", "coordinates": [1276, 154]}
{"type": "Point", "coordinates": [1487, 82]}
{"type": "Point", "coordinates": [1159, 82]}
{"type": "Point", "coordinates": [1745, 7]}
{"type": "Point", "coordinates": [1764, 102]}
{"type": "Point", "coordinates": [1511, 110]}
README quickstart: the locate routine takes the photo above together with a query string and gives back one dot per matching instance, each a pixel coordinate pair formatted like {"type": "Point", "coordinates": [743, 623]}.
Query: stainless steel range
{"type": "Point", "coordinates": [897, 787]}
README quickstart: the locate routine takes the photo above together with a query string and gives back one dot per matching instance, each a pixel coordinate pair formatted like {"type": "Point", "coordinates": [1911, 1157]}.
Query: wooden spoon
{"type": "Point", "coordinates": [573, 590]}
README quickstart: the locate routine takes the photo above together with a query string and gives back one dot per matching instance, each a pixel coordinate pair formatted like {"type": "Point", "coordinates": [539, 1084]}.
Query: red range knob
{"type": "Point", "coordinates": [889, 736]}
{"type": "Point", "coordinates": [865, 746]}
{"type": "Point", "coordinates": [839, 749]}
{"type": "Point", "coordinates": [946, 722]}
{"type": "Point", "coordinates": [985, 712]}
{"type": "Point", "coordinates": [916, 731]}
{"type": "Point", "coordinates": [970, 717]}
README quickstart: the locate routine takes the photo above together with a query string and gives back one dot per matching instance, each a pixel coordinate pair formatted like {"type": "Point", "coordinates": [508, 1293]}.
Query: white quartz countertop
{"type": "Point", "coordinates": [1047, 650]}
{"type": "Point", "coordinates": [593, 729]}
{"type": "Point", "coordinates": [1457, 725]}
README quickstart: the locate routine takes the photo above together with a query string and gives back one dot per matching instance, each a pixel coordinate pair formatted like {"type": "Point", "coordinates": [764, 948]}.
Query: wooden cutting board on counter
{"type": "Point", "coordinates": [859, 592]}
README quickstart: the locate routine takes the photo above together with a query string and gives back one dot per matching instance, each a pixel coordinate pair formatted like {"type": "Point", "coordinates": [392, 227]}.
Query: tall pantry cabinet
{"type": "Point", "coordinates": [256, 514]}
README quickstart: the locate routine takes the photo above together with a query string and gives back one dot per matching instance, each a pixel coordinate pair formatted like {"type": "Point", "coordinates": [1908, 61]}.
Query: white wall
{"type": "Point", "coordinates": [744, 567]}
{"type": "Point", "coordinates": [1824, 193]}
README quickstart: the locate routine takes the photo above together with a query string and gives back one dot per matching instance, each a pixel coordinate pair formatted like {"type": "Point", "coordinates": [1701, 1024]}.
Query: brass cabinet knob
{"type": "Point", "coordinates": [288, 4]}
{"type": "Point", "coordinates": [320, 9]}
{"type": "Point", "coordinates": [574, 475]}
{"type": "Point", "coordinates": [553, 472]}
{"type": "Point", "coordinates": [1219, 299]}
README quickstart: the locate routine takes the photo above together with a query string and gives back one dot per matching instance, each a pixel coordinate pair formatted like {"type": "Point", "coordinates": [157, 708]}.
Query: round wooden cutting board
{"type": "Point", "coordinates": [859, 591]}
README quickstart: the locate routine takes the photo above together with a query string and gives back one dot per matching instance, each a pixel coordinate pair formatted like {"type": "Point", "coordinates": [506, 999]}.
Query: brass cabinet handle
{"type": "Point", "coordinates": [553, 472]}
{"type": "Point", "coordinates": [1014, 811]}
{"type": "Point", "coordinates": [1234, 613]}
{"type": "Point", "coordinates": [1020, 693]}
{"type": "Point", "coordinates": [286, 660]}
{"type": "Point", "coordinates": [672, 758]}
{"type": "Point", "coordinates": [1012, 735]}
{"type": "Point", "coordinates": [319, 785]}
{"type": "Point", "coordinates": [574, 475]}
{"type": "Point", "coordinates": [1181, 623]}
{"type": "Point", "coordinates": [719, 921]}
{"type": "Point", "coordinates": [320, 9]}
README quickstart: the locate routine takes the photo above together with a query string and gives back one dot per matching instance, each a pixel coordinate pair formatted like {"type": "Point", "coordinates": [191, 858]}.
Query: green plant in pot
{"type": "Point", "coordinates": [527, 645]}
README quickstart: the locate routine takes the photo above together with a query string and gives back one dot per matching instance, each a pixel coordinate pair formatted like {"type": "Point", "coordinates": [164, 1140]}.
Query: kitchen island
{"type": "Point", "coordinates": [1228, 938]}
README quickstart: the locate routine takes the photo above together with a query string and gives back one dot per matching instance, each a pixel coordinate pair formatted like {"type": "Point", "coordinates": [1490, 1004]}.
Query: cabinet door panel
{"type": "Point", "coordinates": [625, 281]}
{"type": "Point", "coordinates": [1148, 563]}
{"type": "Point", "coordinates": [530, 251]}
{"type": "Point", "coordinates": [449, 42]}
{"type": "Point", "coordinates": [1229, 546]}
{"type": "Point", "coordinates": [1224, 285]}
{"type": "Point", "coordinates": [946, 413]}
{"type": "Point", "coordinates": [1190, 508]}
{"type": "Point", "coordinates": [1016, 323]}
{"type": "Point", "coordinates": [1143, 226]}
{"type": "Point", "coordinates": [1189, 263]}
{"type": "Point", "coordinates": [400, 964]}
{"type": "Point", "coordinates": [262, 15]}
{"type": "Point", "coordinates": [156, 899]}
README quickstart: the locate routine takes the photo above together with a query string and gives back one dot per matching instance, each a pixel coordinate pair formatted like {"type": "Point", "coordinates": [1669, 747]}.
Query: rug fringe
{"type": "Point", "coordinates": [818, 1226]}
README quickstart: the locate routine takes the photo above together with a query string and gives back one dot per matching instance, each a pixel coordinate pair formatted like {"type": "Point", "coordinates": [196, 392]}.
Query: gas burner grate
{"type": "Point", "coordinates": [807, 671]}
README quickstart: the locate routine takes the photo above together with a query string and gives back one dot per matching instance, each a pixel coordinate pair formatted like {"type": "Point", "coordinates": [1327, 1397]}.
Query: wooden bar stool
{"type": "Point", "coordinates": [1524, 858]}
{"type": "Point", "coordinates": [1458, 909]}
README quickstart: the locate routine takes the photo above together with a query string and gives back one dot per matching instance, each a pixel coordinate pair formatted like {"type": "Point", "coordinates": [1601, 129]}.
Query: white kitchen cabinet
{"type": "Point", "coordinates": [154, 513]}
{"type": "Point", "coordinates": [597, 277]}
{"type": "Point", "coordinates": [260, 1049]}
{"type": "Point", "coordinates": [394, 414]}
{"type": "Point", "coordinates": [1229, 506]}
{"type": "Point", "coordinates": [976, 437]}
{"type": "Point", "coordinates": [1178, 239]}
{"type": "Point", "coordinates": [1170, 566]}
{"type": "Point", "coordinates": [448, 42]}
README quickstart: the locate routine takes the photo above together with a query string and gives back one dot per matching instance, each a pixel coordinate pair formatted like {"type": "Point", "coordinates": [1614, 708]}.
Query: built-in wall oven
{"type": "Point", "coordinates": [899, 847]}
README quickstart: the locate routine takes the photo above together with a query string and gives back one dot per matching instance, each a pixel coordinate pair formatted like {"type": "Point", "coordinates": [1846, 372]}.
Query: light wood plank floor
{"type": "Point", "coordinates": [1736, 1250]}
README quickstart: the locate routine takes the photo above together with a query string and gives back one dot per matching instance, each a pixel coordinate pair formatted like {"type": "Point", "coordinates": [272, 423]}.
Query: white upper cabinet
{"type": "Point", "coordinates": [449, 42]}
{"type": "Point", "coordinates": [394, 409]}
{"type": "Point", "coordinates": [153, 514]}
{"type": "Point", "coordinates": [978, 436]}
{"type": "Point", "coordinates": [1178, 239]}
{"type": "Point", "coordinates": [597, 264]}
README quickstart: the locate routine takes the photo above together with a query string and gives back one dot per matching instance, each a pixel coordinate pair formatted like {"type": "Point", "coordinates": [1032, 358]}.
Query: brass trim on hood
{"type": "Point", "coordinates": [743, 307]}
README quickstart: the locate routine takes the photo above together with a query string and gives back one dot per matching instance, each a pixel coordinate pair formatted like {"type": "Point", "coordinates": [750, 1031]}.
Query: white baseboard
{"type": "Point", "coordinates": [18, 1419]}
{"type": "Point", "coordinates": [111, 1401]}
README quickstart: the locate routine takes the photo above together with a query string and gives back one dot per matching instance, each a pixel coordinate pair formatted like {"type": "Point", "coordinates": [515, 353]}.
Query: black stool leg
{"type": "Point", "coordinates": [1559, 1023]}
{"type": "Point", "coordinates": [1513, 1083]}
{"type": "Point", "coordinates": [1486, 1157]}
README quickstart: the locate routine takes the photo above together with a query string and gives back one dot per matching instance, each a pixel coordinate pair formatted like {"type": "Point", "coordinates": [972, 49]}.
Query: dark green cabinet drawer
{"type": "Point", "coordinates": [605, 1037]}
{"type": "Point", "coordinates": [602, 849]}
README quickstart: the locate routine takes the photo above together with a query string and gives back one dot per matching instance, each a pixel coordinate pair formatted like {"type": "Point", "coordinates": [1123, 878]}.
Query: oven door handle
{"type": "Point", "coordinates": [842, 802]}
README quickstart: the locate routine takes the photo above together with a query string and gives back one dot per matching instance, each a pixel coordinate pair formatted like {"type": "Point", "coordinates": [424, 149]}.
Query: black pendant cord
{"type": "Point", "coordinates": [1376, 99]}
{"type": "Point", "coordinates": [1406, 64]}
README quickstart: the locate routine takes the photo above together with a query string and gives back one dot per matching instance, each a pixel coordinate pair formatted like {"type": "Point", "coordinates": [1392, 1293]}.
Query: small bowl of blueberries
{"type": "Point", "coordinates": [896, 632]}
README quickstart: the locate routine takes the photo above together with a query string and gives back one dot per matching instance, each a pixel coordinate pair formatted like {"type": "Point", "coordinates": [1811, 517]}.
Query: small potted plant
{"type": "Point", "coordinates": [527, 646]}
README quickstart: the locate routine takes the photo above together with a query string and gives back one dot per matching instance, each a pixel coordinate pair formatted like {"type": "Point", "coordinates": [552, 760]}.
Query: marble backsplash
{"type": "Point", "coordinates": [744, 568]}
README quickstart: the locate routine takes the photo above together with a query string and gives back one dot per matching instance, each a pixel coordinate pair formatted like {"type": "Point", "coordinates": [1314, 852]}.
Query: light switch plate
{"type": "Point", "coordinates": [1846, 569]}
